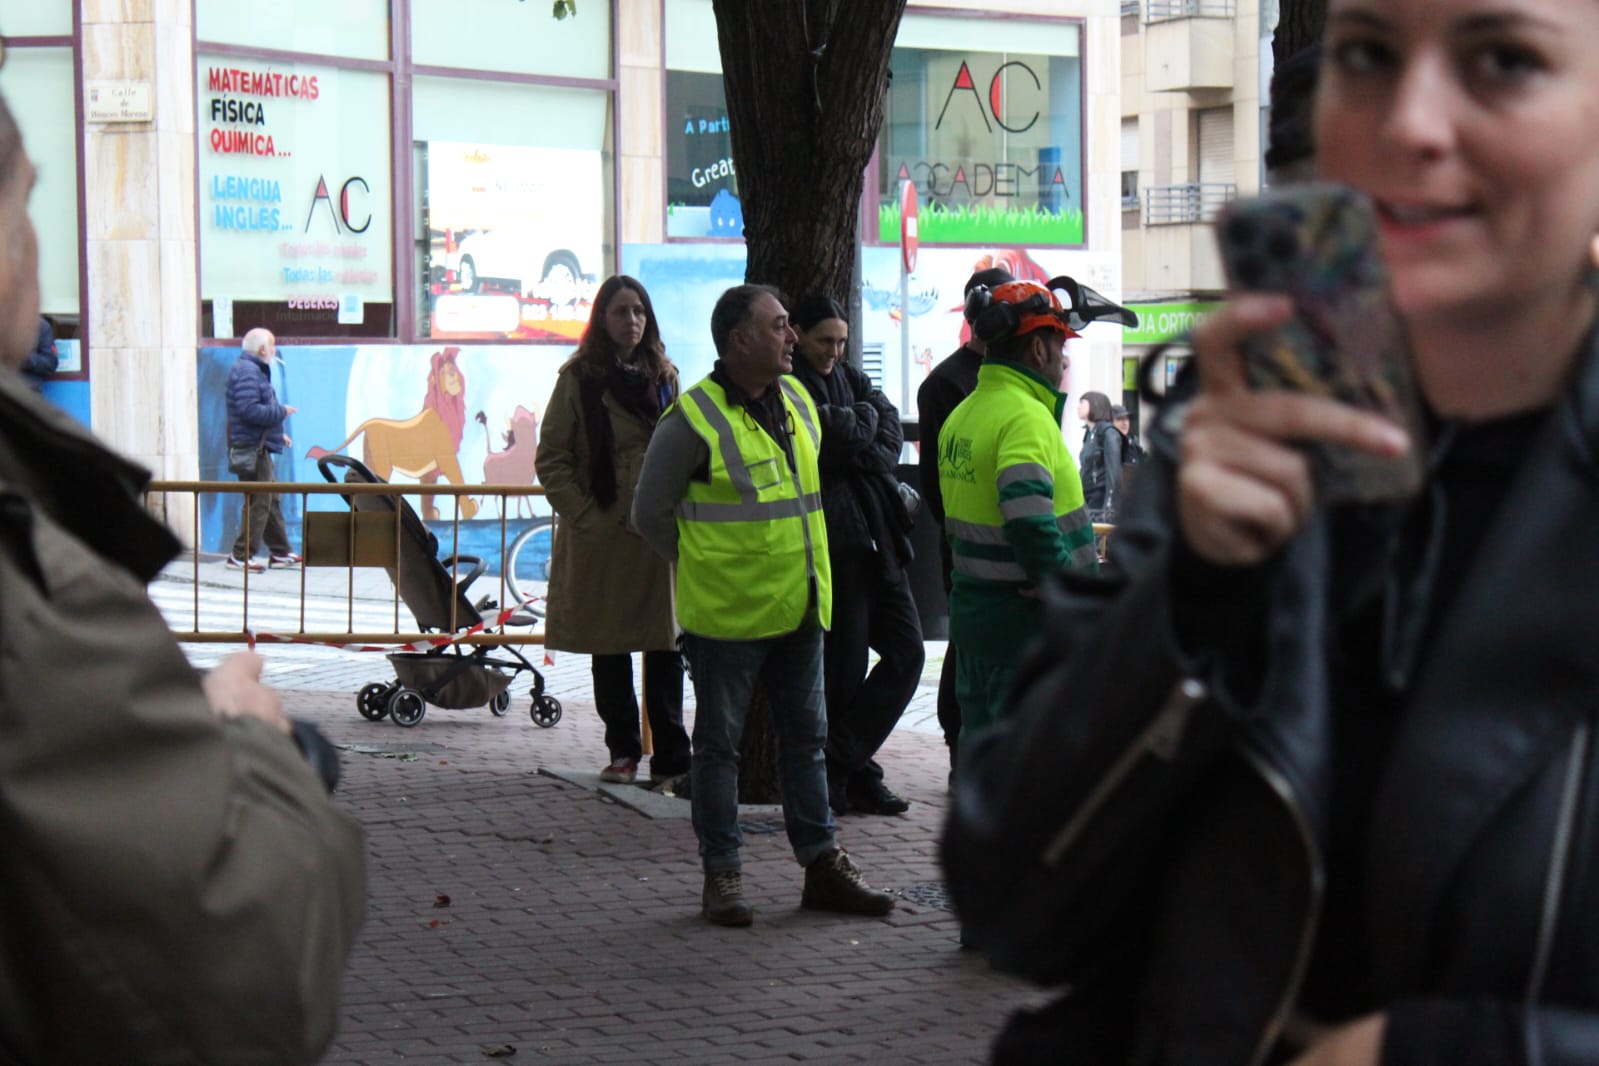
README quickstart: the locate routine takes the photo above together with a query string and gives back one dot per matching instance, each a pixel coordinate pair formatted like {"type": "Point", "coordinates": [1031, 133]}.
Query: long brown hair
{"type": "Point", "coordinates": [596, 352]}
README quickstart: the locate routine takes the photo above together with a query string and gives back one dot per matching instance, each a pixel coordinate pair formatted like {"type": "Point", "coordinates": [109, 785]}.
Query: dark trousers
{"type": "Point", "coordinates": [262, 515]}
{"type": "Point", "coordinates": [663, 703]}
{"type": "Point", "coordinates": [870, 612]}
{"type": "Point", "coordinates": [949, 705]}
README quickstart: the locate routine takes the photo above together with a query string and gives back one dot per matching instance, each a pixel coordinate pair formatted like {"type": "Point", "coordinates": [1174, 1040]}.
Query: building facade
{"type": "Point", "coordinates": [419, 197]}
{"type": "Point", "coordinates": [1195, 75]}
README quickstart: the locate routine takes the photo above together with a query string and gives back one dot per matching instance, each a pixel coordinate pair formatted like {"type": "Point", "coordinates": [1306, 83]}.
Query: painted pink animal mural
{"type": "Point", "coordinates": [514, 463]}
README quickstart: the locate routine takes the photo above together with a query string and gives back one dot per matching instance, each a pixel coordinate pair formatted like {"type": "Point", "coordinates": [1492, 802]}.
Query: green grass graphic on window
{"type": "Point", "coordinates": [983, 224]}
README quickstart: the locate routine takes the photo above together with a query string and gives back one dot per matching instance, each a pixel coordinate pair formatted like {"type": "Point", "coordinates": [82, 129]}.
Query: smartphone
{"type": "Point", "coordinates": [1317, 243]}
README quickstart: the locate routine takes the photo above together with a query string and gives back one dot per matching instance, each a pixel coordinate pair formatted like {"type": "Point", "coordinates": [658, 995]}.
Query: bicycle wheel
{"type": "Point", "coordinates": [527, 560]}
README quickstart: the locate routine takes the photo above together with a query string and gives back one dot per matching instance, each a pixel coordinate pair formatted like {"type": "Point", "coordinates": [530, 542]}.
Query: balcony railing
{"type": "Point", "coordinates": [1163, 10]}
{"type": "Point", "coordinates": [1186, 204]}
{"type": "Point", "coordinates": [1130, 7]}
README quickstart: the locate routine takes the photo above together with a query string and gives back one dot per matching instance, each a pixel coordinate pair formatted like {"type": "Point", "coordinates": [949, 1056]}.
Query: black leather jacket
{"type": "Point", "coordinates": [861, 441]}
{"type": "Point", "coordinates": [1100, 466]}
{"type": "Point", "coordinates": [1160, 820]}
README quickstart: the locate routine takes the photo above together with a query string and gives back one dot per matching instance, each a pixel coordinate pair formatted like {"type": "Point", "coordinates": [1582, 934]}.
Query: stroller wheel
{"type": "Point", "coordinates": [406, 706]}
{"type": "Point", "coordinates": [373, 701]}
{"type": "Point", "coordinates": [500, 705]}
{"type": "Point", "coordinates": [546, 711]}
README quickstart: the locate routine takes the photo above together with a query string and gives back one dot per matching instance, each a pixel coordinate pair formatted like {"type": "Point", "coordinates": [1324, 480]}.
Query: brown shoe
{"type": "Point", "coordinates": [621, 771]}
{"type": "Point", "coordinates": [834, 883]}
{"type": "Point", "coordinates": [723, 901]}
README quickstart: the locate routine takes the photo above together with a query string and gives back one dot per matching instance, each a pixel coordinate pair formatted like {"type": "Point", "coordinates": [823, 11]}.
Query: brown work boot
{"type": "Point", "coordinates": [723, 901]}
{"type": "Point", "coordinates": [834, 883]}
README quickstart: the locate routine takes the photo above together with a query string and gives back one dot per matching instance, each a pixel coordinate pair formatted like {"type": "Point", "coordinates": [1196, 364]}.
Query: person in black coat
{"type": "Point", "coordinates": [868, 541]}
{"type": "Point", "coordinates": [945, 386]}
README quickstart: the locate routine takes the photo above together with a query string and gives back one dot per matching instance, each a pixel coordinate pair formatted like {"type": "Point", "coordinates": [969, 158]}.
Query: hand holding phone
{"type": "Point", "coordinates": [1317, 244]}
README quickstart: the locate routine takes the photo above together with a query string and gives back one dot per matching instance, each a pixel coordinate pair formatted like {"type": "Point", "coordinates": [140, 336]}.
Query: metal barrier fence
{"type": "Point", "coordinates": [351, 540]}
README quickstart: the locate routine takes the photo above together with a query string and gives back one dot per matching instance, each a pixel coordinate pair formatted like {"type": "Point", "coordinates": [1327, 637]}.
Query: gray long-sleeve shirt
{"type": "Point", "coordinates": [675, 456]}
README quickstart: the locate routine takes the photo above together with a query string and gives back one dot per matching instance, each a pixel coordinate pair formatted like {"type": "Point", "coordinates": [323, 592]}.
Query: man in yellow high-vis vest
{"type": "Point", "coordinates": [730, 492]}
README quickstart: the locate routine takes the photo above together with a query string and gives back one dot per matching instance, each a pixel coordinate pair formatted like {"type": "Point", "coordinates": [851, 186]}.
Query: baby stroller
{"type": "Point", "coordinates": [448, 675]}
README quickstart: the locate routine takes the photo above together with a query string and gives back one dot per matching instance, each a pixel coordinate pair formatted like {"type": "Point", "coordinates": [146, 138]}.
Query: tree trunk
{"type": "Point", "coordinates": [1300, 24]}
{"type": "Point", "coordinates": [805, 83]}
{"type": "Point", "coordinates": [758, 776]}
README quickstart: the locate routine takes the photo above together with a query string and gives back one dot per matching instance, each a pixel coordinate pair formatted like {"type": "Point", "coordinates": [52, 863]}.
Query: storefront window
{"type": "Point", "coordinates": [37, 84]}
{"type": "Point", "coordinates": [991, 137]}
{"type": "Point", "coordinates": [701, 183]}
{"type": "Point", "coordinates": [514, 211]}
{"type": "Point", "coordinates": [35, 18]}
{"type": "Point", "coordinates": [354, 29]}
{"type": "Point", "coordinates": [517, 38]}
{"type": "Point", "coordinates": [295, 199]}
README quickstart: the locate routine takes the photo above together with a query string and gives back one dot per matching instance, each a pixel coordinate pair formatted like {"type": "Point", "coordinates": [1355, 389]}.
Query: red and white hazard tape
{"type": "Point", "coordinates": [442, 641]}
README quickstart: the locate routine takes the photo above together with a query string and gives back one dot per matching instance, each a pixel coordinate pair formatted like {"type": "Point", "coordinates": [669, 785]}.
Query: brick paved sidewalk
{"type": "Point", "coordinates": [572, 931]}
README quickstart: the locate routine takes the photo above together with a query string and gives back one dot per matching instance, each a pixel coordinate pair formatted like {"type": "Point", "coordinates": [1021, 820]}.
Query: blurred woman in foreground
{"type": "Point", "coordinates": [1327, 790]}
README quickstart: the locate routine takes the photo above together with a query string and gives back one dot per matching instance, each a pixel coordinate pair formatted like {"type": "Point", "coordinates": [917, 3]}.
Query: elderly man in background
{"type": "Point", "coordinates": [255, 436]}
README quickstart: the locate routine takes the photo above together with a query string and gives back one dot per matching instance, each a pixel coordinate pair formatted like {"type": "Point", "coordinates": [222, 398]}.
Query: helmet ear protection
{"type": "Point", "coordinates": [998, 320]}
{"type": "Point", "coordinates": [1012, 308]}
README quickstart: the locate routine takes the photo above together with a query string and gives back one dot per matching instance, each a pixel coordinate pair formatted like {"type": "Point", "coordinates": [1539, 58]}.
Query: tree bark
{"type": "Point", "coordinates": [1300, 24]}
{"type": "Point", "coordinates": [805, 82]}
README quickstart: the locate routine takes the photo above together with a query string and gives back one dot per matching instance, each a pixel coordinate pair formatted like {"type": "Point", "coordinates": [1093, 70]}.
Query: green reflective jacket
{"type": "Point", "coordinates": [1013, 507]}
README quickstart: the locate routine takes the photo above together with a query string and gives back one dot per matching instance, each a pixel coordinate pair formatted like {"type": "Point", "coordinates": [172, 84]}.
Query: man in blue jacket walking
{"type": "Point", "coordinates": [255, 419]}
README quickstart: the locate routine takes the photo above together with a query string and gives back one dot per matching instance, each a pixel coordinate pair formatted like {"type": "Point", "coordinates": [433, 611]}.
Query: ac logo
{"type": "Point", "coordinates": [340, 211]}
{"type": "Point", "coordinates": [963, 83]}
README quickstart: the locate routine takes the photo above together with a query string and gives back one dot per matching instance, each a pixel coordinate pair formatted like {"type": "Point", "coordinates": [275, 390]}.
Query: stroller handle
{"type": "Point", "coordinates": [348, 462]}
{"type": "Point", "coordinates": [475, 564]}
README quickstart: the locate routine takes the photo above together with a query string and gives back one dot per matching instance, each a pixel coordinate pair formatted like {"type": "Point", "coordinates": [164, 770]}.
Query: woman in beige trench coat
{"type": "Point", "coordinates": [610, 595]}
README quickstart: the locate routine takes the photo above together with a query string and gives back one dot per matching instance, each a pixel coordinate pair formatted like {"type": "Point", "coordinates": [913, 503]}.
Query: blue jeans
{"type": "Point", "coordinates": [789, 671]}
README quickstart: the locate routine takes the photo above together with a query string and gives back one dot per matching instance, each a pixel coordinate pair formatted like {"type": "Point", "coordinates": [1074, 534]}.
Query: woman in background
{"type": "Point", "coordinates": [610, 595]}
{"type": "Point", "coordinates": [1100, 462]}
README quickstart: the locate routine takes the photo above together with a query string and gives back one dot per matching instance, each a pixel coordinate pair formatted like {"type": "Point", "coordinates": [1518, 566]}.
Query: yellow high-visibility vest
{"type": "Point", "coordinates": [753, 539]}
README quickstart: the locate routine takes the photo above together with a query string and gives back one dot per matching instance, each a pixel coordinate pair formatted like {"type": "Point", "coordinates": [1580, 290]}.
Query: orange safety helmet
{"type": "Point", "coordinates": [1018, 307]}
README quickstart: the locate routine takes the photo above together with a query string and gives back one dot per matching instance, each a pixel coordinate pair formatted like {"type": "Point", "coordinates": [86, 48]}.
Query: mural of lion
{"type": "Point", "coordinates": [425, 446]}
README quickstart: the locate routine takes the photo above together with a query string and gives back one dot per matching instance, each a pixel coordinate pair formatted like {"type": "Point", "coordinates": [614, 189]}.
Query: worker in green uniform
{"type": "Point", "coordinates": [1013, 503]}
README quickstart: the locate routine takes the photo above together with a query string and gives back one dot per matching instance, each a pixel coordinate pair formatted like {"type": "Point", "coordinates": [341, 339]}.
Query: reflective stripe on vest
{"type": "Point", "coordinates": [1033, 484]}
{"type": "Point", "coordinates": [752, 540]}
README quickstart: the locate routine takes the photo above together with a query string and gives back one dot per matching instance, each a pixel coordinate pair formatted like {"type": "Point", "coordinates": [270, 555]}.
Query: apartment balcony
{"type": "Point", "coordinates": [1175, 248]}
{"type": "Point", "coordinates": [1186, 204]}
{"type": "Point", "coordinates": [1188, 44]}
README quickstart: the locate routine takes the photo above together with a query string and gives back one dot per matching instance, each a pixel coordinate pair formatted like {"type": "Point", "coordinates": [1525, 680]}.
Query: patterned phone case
{"type": "Point", "coordinates": [1318, 244]}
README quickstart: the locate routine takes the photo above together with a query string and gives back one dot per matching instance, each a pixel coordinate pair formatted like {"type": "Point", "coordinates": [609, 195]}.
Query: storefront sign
{"type": "Point", "coordinates": [1163, 321]}
{"type": "Point", "coordinates": [294, 199]}
{"type": "Point", "coordinates": [993, 141]}
{"type": "Point", "coordinates": [701, 179]}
